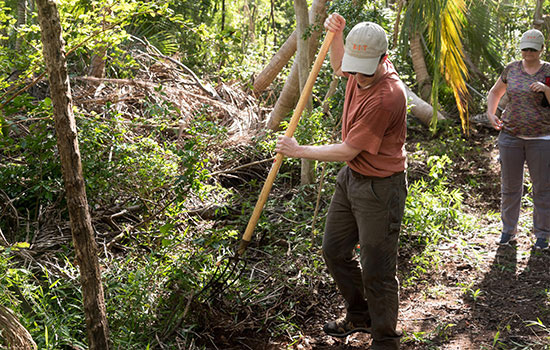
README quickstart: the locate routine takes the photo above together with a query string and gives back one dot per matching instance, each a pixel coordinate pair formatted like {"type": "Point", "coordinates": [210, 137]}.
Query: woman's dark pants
{"type": "Point", "coordinates": [514, 153]}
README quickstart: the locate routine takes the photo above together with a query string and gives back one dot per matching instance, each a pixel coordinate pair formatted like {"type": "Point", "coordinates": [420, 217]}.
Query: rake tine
{"type": "Point", "coordinates": [231, 278]}
{"type": "Point", "coordinates": [224, 276]}
{"type": "Point", "coordinates": [217, 275]}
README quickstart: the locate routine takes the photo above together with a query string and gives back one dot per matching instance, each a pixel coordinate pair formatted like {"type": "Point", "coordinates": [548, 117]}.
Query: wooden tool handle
{"type": "Point", "coordinates": [289, 132]}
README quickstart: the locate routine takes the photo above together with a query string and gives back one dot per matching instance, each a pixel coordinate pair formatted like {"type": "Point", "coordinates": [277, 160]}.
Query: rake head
{"type": "Point", "coordinates": [228, 271]}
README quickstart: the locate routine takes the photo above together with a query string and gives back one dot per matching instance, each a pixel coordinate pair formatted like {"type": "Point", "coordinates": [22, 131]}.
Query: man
{"type": "Point", "coordinates": [369, 199]}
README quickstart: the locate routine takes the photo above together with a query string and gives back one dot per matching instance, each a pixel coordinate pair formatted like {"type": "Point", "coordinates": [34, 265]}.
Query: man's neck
{"type": "Point", "coordinates": [380, 71]}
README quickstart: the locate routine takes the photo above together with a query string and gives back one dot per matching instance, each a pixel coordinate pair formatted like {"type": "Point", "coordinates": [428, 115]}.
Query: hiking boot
{"type": "Point", "coordinates": [541, 244]}
{"type": "Point", "coordinates": [506, 239]}
{"type": "Point", "coordinates": [342, 328]}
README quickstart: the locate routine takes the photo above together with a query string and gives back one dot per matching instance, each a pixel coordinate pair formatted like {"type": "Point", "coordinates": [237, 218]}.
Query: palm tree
{"type": "Point", "coordinates": [483, 39]}
{"type": "Point", "coordinates": [442, 23]}
{"type": "Point", "coordinates": [419, 65]}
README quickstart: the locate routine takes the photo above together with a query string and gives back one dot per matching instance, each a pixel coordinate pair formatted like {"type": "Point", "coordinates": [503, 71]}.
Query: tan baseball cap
{"type": "Point", "coordinates": [532, 39]}
{"type": "Point", "coordinates": [365, 43]}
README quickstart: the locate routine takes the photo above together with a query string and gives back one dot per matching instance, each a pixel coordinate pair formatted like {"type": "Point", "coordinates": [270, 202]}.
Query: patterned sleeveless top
{"type": "Point", "coordinates": [525, 113]}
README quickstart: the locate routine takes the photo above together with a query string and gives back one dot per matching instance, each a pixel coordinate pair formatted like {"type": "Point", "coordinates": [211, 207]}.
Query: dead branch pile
{"type": "Point", "coordinates": [162, 84]}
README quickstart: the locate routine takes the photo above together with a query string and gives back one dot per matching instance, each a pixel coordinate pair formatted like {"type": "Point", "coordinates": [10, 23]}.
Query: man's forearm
{"type": "Point", "coordinates": [327, 153]}
{"type": "Point", "coordinates": [337, 53]}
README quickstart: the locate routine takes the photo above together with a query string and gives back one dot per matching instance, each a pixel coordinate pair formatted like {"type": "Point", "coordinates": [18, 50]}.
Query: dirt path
{"type": "Point", "coordinates": [468, 300]}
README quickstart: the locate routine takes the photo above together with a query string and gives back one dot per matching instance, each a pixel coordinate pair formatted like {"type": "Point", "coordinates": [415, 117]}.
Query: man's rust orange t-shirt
{"type": "Point", "coordinates": [374, 120]}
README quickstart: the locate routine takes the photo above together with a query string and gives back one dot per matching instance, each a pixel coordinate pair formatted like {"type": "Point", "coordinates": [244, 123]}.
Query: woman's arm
{"type": "Point", "coordinates": [495, 94]}
{"type": "Point", "coordinates": [541, 87]}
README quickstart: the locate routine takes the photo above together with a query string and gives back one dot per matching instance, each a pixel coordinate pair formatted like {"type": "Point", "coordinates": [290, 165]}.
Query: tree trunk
{"type": "Point", "coordinates": [290, 93]}
{"type": "Point", "coordinates": [421, 109]}
{"type": "Point", "coordinates": [303, 63]}
{"type": "Point", "coordinates": [302, 42]}
{"type": "Point", "coordinates": [3, 34]}
{"type": "Point", "coordinates": [474, 71]}
{"type": "Point", "coordinates": [272, 21]}
{"type": "Point", "coordinates": [538, 21]}
{"type": "Point", "coordinates": [278, 61]}
{"type": "Point", "coordinates": [223, 15]}
{"type": "Point", "coordinates": [21, 21]}
{"type": "Point", "coordinates": [397, 22]}
{"type": "Point", "coordinates": [281, 58]}
{"type": "Point", "coordinates": [71, 166]}
{"type": "Point", "coordinates": [252, 23]}
{"type": "Point", "coordinates": [97, 64]}
{"type": "Point", "coordinates": [419, 66]}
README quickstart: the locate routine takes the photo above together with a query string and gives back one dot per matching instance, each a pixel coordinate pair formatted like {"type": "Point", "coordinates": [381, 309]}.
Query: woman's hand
{"type": "Point", "coordinates": [495, 121]}
{"type": "Point", "coordinates": [538, 87]}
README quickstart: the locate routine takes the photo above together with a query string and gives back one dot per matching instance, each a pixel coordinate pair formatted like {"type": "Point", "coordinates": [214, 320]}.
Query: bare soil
{"type": "Point", "coordinates": [439, 313]}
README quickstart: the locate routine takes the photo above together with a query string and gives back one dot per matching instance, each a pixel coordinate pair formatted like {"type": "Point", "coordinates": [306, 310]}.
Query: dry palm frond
{"type": "Point", "coordinates": [16, 336]}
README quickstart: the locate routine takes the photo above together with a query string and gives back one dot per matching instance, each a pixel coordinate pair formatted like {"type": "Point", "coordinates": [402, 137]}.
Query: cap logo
{"type": "Point", "coordinates": [359, 47]}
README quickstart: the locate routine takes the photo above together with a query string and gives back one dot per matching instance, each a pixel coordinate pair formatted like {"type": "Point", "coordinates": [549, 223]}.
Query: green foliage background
{"type": "Point", "coordinates": [154, 275]}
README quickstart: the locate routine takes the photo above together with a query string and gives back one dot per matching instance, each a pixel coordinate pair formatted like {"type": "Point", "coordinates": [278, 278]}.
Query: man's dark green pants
{"type": "Point", "coordinates": [367, 210]}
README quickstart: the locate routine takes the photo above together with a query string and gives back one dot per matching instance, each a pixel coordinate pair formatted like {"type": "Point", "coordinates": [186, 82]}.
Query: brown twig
{"type": "Point", "coordinates": [36, 80]}
{"type": "Point", "coordinates": [241, 167]}
{"type": "Point", "coordinates": [3, 241]}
